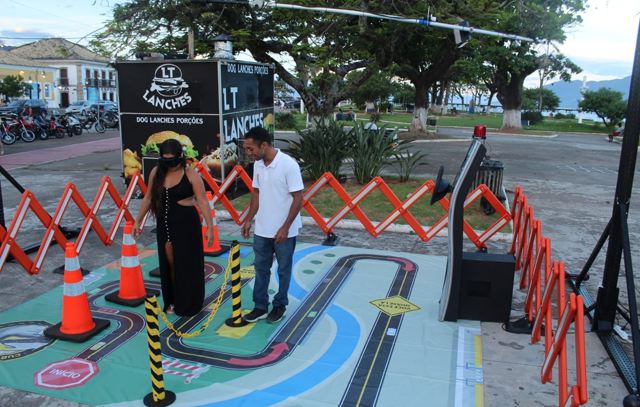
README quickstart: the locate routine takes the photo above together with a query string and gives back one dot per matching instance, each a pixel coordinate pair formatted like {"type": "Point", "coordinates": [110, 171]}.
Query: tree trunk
{"type": "Point", "coordinates": [511, 119]}
{"type": "Point", "coordinates": [433, 99]}
{"type": "Point", "coordinates": [445, 101]}
{"type": "Point", "coordinates": [419, 122]}
{"type": "Point", "coordinates": [510, 96]}
{"type": "Point", "coordinates": [438, 106]}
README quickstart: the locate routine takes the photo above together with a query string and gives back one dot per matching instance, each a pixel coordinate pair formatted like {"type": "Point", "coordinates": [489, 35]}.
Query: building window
{"type": "Point", "coordinates": [111, 96]}
{"type": "Point", "coordinates": [47, 91]}
{"type": "Point", "coordinates": [87, 73]}
{"type": "Point", "coordinates": [104, 95]}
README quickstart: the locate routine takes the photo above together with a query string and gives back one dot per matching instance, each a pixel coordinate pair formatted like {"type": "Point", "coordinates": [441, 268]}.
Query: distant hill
{"type": "Point", "coordinates": [569, 92]}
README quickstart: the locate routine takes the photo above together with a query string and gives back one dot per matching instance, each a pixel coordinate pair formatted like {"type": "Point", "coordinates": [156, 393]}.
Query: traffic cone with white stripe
{"type": "Point", "coordinates": [216, 249]}
{"type": "Point", "coordinates": [77, 323]}
{"type": "Point", "coordinates": [132, 291]}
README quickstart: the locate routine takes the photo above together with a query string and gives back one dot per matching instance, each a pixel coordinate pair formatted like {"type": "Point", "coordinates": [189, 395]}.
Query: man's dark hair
{"type": "Point", "coordinates": [259, 134]}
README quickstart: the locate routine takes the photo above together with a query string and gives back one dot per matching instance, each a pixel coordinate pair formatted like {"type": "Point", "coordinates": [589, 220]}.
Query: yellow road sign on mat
{"type": "Point", "coordinates": [395, 305]}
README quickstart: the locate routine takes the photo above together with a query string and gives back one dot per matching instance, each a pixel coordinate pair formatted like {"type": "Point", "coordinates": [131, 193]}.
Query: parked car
{"type": "Point", "coordinates": [104, 106]}
{"type": "Point", "coordinates": [618, 132]}
{"type": "Point", "coordinates": [17, 106]}
{"type": "Point", "coordinates": [292, 104]}
{"type": "Point", "coordinates": [80, 107]}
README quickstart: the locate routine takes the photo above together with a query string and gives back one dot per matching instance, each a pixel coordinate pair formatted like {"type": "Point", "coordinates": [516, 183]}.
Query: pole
{"type": "Point", "coordinates": [2, 209]}
{"type": "Point", "coordinates": [190, 43]}
{"type": "Point", "coordinates": [159, 396]}
{"type": "Point", "coordinates": [607, 299]}
{"type": "Point", "coordinates": [236, 319]}
{"type": "Point", "coordinates": [357, 13]}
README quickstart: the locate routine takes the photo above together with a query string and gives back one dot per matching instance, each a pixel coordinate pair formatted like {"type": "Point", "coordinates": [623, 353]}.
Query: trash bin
{"type": "Point", "coordinates": [490, 173]}
{"type": "Point", "coordinates": [432, 124]}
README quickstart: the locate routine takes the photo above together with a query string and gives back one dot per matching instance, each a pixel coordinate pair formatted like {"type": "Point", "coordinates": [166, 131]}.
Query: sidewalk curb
{"type": "Point", "coordinates": [356, 225]}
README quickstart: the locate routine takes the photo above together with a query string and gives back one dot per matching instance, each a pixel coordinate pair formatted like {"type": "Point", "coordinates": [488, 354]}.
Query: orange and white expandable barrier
{"type": "Point", "coordinates": [543, 279]}
{"type": "Point", "coordinates": [77, 323]}
{"type": "Point", "coordinates": [131, 291]}
{"type": "Point", "coordinates": [52, 223]}
{"type": "Point", "coordinates": [8, 243]}
{"type": "Point", "coordinates": [351, 205]}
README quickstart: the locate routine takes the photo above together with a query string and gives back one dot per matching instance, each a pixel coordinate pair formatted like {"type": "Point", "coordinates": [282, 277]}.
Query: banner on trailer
{"type": "Point", "coordinates": [189, 101]}
{"type": "Point", "coordinates": [246, 102]}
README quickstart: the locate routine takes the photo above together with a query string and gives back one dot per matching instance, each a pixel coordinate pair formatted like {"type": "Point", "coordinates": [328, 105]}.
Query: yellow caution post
{"type": "Point", "coordinates": [159, 396]}
{"type": "Point", "coordinates": [236, 285]}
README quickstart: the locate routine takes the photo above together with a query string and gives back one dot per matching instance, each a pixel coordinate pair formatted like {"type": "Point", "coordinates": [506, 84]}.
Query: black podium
{"type": "Point", "coordinates": [477, 286]}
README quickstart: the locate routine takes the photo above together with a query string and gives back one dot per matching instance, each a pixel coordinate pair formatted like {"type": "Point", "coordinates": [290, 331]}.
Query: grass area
{"type": "Point", "coordinates": [492, 121]}
{"type": "Point", "coordinates": [296, 120]}
{"type": "Point", "coordinates": [377, 207]}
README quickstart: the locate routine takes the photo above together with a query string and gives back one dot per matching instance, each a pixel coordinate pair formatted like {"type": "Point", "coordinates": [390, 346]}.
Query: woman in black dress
{"type": "Point", "coordinates": [173, 191]}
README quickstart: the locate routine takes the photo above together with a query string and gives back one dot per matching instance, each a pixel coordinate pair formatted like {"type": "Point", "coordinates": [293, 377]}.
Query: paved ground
{"type": "Point", "coordinates": [570, 181]}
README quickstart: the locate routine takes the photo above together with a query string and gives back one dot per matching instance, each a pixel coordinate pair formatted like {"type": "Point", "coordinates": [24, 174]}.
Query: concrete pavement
{"type": "Point", "coordinates": [569, 179]}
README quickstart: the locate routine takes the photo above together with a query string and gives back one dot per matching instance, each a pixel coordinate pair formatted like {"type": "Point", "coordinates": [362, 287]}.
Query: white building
{"type": "Point", "coordinates": [82, 74]}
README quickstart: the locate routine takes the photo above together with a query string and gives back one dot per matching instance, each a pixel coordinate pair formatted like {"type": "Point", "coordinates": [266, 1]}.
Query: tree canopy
{"type": "Point", "coordinates": [513, 61]}
{"type": "Point", "coordinates": [376, 89]}
{"type": "Point", "coordinates": [13, 86]}
{"type": "Point", "coordinates": [314, 52]}
{"type": "Point", "coordinates": [606, 103]}
{"type": "Point", "coordinates": [530, 100]}
{"type": "Point", "coordinates": [319, 49]}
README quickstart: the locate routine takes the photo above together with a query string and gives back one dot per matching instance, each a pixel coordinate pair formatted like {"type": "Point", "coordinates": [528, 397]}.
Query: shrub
{"type": "Point", "coordinates": [320, 149]}
{"type": "Point", "coordinates": [532, 117]}
{"type": "Point", "coordinates": [370, 150]}
{"type": "Point", "coordinates": [285, 120]}
{"type": "Point", "coordinates": [564, 116]}
{"type": "Point", "coordinates": [406, 161]}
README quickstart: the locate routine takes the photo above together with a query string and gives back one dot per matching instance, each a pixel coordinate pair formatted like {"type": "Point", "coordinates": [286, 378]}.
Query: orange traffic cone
{"type": "Point", "coordinates": [216, 249]}
{"type": "Point", "coordinates": [132, 292]}
{"type": "Point", "coordinates": [77, 323]}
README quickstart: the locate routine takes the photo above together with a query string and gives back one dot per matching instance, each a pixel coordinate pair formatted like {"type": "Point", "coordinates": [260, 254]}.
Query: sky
{"type": "Point", "coordinates": [603, 45]}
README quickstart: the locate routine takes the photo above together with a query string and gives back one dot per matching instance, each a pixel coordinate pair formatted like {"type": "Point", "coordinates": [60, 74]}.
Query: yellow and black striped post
{"type": "Point", "coordinates": [158, 396]}
{"type": "Point", "coordinates": [236, 285]}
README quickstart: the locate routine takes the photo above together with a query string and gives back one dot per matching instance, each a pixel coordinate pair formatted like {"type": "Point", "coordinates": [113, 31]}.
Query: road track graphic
{"type": "Point", "coordinates": [299, 324]}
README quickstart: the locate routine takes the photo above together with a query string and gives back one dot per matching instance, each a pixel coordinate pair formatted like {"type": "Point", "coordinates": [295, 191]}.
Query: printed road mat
{"type": "Point", "coordinates": [361, 330]}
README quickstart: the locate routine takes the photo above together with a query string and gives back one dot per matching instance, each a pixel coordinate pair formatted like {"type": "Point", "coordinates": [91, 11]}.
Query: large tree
{"type": "Point", "coordinates": [606, 103]}
{"type": "Point", "coordinates": [376, 89]}
{"type": "Point", "coordinates": [534, 100]}
{"type": "Point", "coordinates": [513, 61]}
{"type": "Point", "coordinates": [554, 65]}
{"type": "Point", "coordinates": [312, 52]}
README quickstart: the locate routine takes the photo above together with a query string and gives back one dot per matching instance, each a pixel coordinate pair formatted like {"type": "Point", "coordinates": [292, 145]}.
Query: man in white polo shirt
{"type": "Point", "coordinates": [275, 202]}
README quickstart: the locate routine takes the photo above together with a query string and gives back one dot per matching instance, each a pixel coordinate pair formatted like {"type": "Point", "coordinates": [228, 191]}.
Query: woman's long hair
{"type": "Point", "coordinates": [170, 146]}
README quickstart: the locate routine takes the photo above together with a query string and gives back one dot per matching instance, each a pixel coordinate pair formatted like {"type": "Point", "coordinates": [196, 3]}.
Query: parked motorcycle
{"type": "Point", "coordinates": [55, 128]}
{"type": "Point", "coordinates": [71, 124]}
{"type": "Point", "coordinates": [43, 128]}
{"type": "Point", "coordinates": [6, 135]}
{"type": "Point", "coordinates": [111, 120]}
{"type": "Point", "coordinates": [16, 126]}
{"type": "Point", "coordinates": [92, 120]}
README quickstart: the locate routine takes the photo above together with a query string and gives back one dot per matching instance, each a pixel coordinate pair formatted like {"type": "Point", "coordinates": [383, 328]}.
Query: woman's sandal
{"type": "Point", "coordinates": [170, 309]}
